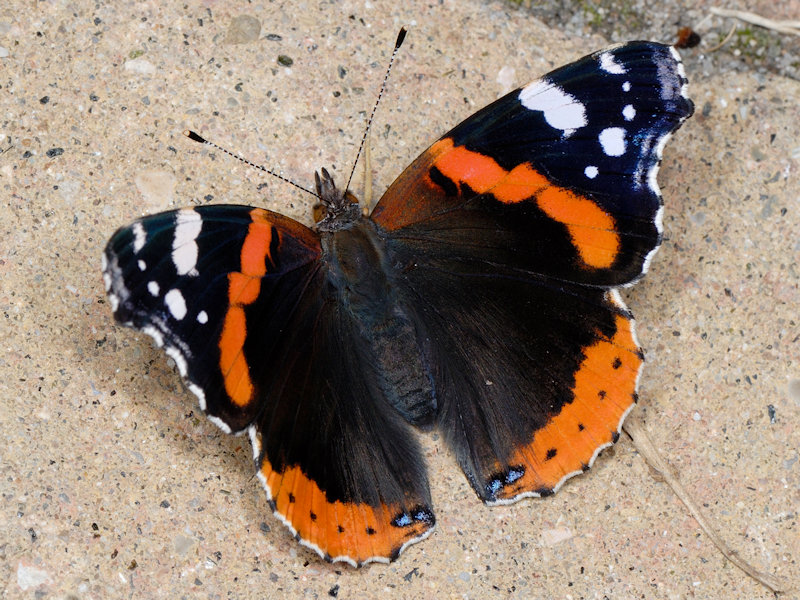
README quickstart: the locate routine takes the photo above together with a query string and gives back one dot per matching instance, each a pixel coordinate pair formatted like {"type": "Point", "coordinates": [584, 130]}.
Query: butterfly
{"type": "Point", "coordinates": [480, 298]}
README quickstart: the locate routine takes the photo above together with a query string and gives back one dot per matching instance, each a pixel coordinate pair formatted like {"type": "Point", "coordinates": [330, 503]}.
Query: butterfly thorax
{"type": "Point", "coordinates": [354, 258]}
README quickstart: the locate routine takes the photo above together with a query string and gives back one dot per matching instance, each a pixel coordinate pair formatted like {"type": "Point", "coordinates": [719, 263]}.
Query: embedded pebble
{"type": "Point", "coordinates": [243, 29]}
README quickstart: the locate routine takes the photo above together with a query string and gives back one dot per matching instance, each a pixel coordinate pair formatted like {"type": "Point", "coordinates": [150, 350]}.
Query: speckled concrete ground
{"type": "Point", "coordinates": [113, 485]}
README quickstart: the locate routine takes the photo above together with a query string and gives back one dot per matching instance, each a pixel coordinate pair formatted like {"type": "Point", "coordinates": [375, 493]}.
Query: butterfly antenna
{"type": "Point", "coordinates": [201, 140]}
{"type": "Point", "coordinates": [400, 37]}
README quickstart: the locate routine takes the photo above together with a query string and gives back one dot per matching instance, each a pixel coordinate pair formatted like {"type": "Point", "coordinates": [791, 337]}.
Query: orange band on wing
{"type": "Point", "coordinates": [243, 289]}
{"type": "Point", "coordinates": [357, 533]}
{"type": "Point", "coordinates": [605, 389]}
{"type": "Point", "coordinates": [591, 229]}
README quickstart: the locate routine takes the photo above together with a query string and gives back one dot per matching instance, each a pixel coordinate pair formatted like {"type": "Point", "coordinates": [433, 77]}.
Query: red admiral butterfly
{"type": "Point", "coordinates": [479, 298]}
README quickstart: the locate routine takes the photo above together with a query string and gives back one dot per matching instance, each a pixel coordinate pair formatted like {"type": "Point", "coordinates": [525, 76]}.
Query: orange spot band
{"type": "Point", "coordinates": [591, 229]}
{"type": "Point", "coordinates": [605, 386]}
{"type": "Point", "coordinates": [340, 530]}
{"type": "Point", "coordinates": [243, 289]}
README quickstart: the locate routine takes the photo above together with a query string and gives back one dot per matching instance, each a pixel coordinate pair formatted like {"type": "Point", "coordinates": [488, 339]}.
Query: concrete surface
{"type": "Point", "coordinates": [112, 485]}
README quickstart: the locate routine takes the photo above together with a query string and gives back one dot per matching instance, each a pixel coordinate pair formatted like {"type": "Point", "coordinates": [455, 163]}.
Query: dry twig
{"type": "Point", "coordinates": [790, 27]}
{"type": "Point", "coordinates": [658, 463]}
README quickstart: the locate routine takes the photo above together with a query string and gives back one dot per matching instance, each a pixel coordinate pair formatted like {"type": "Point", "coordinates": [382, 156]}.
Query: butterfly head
{"type": "Point", "coordinates": [337, 209]}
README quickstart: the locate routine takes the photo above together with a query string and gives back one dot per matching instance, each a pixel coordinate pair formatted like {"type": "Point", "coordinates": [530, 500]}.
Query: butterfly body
{"type": "Point", "coordinates": [480, 298]}
{"type": "Point", "coordinates": [363, 286]}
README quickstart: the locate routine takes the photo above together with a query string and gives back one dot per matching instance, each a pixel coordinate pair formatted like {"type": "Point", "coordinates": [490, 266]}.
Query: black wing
{"type": "Point", "coordinates": [510, 236]}
{"type": "Point", "coordinates": [236, 295]}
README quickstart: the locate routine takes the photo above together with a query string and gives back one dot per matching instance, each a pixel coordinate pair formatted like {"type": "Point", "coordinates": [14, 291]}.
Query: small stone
{"type": "Point", "coordinates": [140, 65]}
{"type": "Point", "coordinates": [793, 390]}
{"type": "Point", "coordinates": [243, 29]}
{"type": "Point", "coordinates": [183, 544]}
{"type": "Point", "coordinates": [551, 537]}
{"type": "Point", "coordinates": [505, 77]}
{"type": "Point", "coordinates": [29, 577]}
{"type": "Point", "coordinates": [156, 187]}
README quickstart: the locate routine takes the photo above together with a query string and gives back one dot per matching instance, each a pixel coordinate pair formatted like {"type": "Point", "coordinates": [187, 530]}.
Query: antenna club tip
{"type": "Point", "coordinates": [400, 37]}
{"type": "Point", "coordinates": [193, 136]}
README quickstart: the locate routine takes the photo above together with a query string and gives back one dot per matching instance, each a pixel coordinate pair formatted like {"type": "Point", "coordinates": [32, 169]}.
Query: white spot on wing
{"type": "Point", "coordinates": [629, 112]}
{"type": "Point", "coordinates": [139, 237]}
{"type": "Point", "coordinates": [155, 334]}
{"type": "Point", "coordinates": [115, 286]}
{"type": "Point", "coordinates": [153, 288]}
{"type": "Point", "coordinates": [219, 423]}
{"type": "Point", "coordinates": [561, 110]}
{"type": "Point", "coordinates": [609, 65]}
{"type": "Point", "coordinates": [202, 317]}
{"type": "Point", "coordinates": [681, 72]}
{"type": "Point", "coordinates": [179, 359]}
{"type": "Point", "coordinates": [188, 223]}
{"type": "Point", "coordinates": [612, 139]}
{"type": "Point", "coordinates": [626, 87]}
{"type": "Point", "coordinates": [201, 395]}
{"type": "Point", "coordinates": [142, 265]}
{"type": "Point", "coordinates": [591, 171]}
{"type": "Point", "coordinates": [175, 303]}
{"type": "Point", "coordinates": [255, 441]}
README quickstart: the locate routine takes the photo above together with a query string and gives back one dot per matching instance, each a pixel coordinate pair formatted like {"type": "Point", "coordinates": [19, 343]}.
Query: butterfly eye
{"type": "Point", "coordinates": [320, 211]}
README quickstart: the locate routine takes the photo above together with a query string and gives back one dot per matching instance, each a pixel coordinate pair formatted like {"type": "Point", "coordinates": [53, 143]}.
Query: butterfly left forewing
{"type": "Point", "coordinates": [186, 278]}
